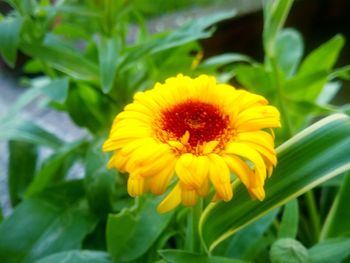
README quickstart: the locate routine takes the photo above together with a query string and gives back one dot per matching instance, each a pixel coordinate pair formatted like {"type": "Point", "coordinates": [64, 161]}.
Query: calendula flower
{"type": "Point", "coordinates": [194, 133]}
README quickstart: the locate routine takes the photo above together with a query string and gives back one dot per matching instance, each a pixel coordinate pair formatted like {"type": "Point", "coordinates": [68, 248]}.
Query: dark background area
{"type": "Point", "coordinates": [317, 21]}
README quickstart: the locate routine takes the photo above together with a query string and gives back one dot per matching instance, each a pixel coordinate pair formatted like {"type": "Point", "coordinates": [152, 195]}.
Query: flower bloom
{"type": "Point", "coordinates": [194, 133]}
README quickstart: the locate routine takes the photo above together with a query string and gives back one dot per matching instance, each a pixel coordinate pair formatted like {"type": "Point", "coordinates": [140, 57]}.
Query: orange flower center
{"type": "Point", "coordinates": [203, 121]}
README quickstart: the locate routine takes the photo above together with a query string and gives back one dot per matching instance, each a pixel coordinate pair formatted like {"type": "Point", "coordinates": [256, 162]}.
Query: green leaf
{"type": "Point", "coordinates": [10, 28]}
{"type": "Point", "coordinates": [289, 50]}
{"type": "Point", "coordinates": [55, 220]}
{"type": "Point", "coordinates": [24, 99]}
{"type": "Point", "coordinates": [189, 32]}
{"type": "Point", "coordinates": [290, 220]}
{"type": "Point", "coordinates": [247, 242]}
{"type": "Point", "coordinates": [314, 71]}
{"type": "Point", "coordinates": [224, 59]}
{"type": "Point", "coordinates": [69, 62]}
{"type": "Point", "coordinates": [306, 86]}
{"type": "Point", "coordinates": [17, 129]}
{"type": "Point", "coordinates": [288, 250]}
{"type": "Point", "coordinates": [181, 256]}
{"type": "Point", "coordinates": [90, 108]}
{"type": "Point", "coordinates": [77, 256]}
{"type": "Point", "coordinates": [342, 73]}
{"type": "Point", "coordinates": [313, 156]}
{"type": "Point", "coordinates": [55, 167]}
{"type": "Point", "coordinates": [332, 250]}
{"type": "Point", "coordinates": [255, 78]}
{"type": "Point", "coordinates": [20, 176]}
{"type": "Point", "coordinates": [275, 14]}
{"type": "Point", "coordinates": [337, 223]}
{"type": "Point", "coordinates": [57, 89]}
{"type": "Point", "coordinates": [109, 59]}
{"type": "Point", "coordinates": [1, 214]}
{"type": "Point", "coordinates": [192, 31]}
{"type": "Point", "coordinates": [23, 6]}
{"type": "Point", "coordinates": [133, 231]}
{"type": "Point", "coordinates": [99, 182]}
{"type": "Point", "coordinates": [324, 57]}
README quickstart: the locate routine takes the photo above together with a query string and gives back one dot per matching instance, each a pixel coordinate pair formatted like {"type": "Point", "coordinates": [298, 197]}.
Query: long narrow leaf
{"type": "Point", "coordinates": [337, 223]}
{"type": "Point", "coordinates": [313, 156]}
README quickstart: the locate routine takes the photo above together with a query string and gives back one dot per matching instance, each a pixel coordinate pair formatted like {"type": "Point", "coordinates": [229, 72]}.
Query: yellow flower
{"type": "Point", "coordinates": [196, 133]}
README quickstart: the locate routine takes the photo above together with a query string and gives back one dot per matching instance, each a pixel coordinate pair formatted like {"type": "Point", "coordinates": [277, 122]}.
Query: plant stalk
{"type": "Point", "coordinates": [193, 242]}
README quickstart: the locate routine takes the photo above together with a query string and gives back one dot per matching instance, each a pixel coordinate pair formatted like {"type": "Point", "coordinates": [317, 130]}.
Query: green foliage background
{"type": "Point", "coordinates": [89, 69]}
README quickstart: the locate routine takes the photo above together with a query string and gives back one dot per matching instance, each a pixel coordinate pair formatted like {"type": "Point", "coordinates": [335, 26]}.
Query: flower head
{"type": "Point", "coordinates": [195, 133]}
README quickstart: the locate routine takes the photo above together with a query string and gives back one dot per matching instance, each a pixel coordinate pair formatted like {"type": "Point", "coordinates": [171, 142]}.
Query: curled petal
{"type": "Point", "coordinates": [172, 200]}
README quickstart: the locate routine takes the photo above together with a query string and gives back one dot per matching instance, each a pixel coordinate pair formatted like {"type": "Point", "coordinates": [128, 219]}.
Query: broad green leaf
{"type": "Point", "coordinates": [69, 62]}
{"type": "Point", "coordinates": [324, 57]}
{"type": "Point", "coordinates": [275, 14]}
{"type": "Point", "coordinates": [337, 223]}
{"type": "Point", "coordinates": [22, 163]}
{"type": "Point", "coordinates": [55, 167]}
{"type": "Point", "coordinates": [289, 50]}
{"type": "Point", "coordinates": [332, 250]}
{"type": "Point", "coordinates": [108, 59]}
{"type": "Point", "coordinates": [288, 250]}
{"type": "Point", "coordinates": [290, 220]}
{"type": "Point", "coordinates": [77, 256]}
{"type": "Point", "coordinates": [90, 108]}
{"type": "Point", "coordinates": [20, 130]}
{"type": "Point", "coordinates": [1, 215]}
{"type": "Point", "coordinates": [10, 28]}
{"type": "Point", "coordinates": [306, 86]}
{"type": "Point", "coordinates": [181, 256]}
{"type": "Point", "coordinates": [255, 78]}
{"type": "Point", "coordinates": [55, 220]}
{"type": "Point", "coordinates": [320, 60]}
{"type": "Point", "coordinates": [133, 231]}
{"type": "Point", "coordinates": [313, 156]}
{"type": "Point", "coordinates": [247, 242]}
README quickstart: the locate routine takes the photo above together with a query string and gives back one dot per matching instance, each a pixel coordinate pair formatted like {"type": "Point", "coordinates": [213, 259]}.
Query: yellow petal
{"type": "Point", "coordinates": [136, 185]}
{"type": "Point", "coordinates": [204, 189]}
{"type": "Point", "coordinates": [258, 192]}
{"type": "Point", "coordinates": [219, 175]}
{"type": "Point", "coordinates": [188, 196]}
{"type": "Point", "coordinates": [172, 200]}
{"type": "Point", "coordinates": [183, 170]}
{"type": "Point", "coordinates": [259, 137]}
{"type": "Point", "coordinates": [269, 154]}
{"type": "Point", "coordinates": [156, 165]}
{"type": "Point", "coordinates": [258, 118]}
{"type": "Point", "coordinates": [241, 169]}
{"type": "Point", "coordinates": [159, 182]}
{"type": "Point", "coordinates": [209, 146]}
{"type": "Point", "coordinates": [248, 153]}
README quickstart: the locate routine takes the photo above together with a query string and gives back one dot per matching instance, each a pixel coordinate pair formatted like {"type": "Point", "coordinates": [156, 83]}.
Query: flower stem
{"type": "Point", "coordinates": [281, 99]}
{"type": "Point", "coordinates": [193, 239]}
{"type": "Point", "coordinates": [315, 219]}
